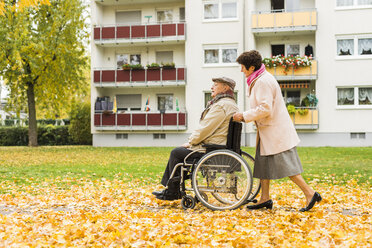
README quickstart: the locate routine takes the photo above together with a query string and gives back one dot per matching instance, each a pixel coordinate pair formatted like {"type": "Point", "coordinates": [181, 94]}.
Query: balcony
{"type": "Point", "coordinates": [268, 22]}
{"type": "Point", "coordinates": [130, 2]}
{"type": "Point", "coordinates": [140, 34]}
{"type": "Point", "coordinates": [140, 78]}
{"type": "Point", "coordinates": [307, 121]}
{"type": "Point", "coordinates": [140, 121]}
{"type": "Point", "coordinates": [301, 73]}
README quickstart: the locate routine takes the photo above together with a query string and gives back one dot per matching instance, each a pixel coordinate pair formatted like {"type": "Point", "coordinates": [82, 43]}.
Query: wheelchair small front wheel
{"type": "Point", "coordinates": [188, 202]}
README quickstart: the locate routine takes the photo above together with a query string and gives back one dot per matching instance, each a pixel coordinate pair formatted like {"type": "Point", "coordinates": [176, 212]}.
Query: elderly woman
{"type": "Point", "coordinates": [213, 128]}
{"type": "Point", "coordinates": [276, 154]}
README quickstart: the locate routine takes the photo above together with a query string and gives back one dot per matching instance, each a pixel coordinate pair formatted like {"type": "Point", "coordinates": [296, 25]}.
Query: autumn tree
{"type": "Point", "coordinates": [42, 54]}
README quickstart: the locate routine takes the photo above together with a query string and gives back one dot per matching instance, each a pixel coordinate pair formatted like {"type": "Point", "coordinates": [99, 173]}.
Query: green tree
{"type": "Point", "coordinates": [79, 128]}
{"type": "Point", "coordinates": [42, 55]}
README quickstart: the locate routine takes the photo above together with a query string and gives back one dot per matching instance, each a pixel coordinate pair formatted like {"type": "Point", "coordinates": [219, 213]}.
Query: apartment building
{"type": "Point", "coordinates": [152, 64]}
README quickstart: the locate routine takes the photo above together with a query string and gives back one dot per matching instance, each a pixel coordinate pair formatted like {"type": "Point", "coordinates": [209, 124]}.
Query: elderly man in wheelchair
{"type": "Point", "coordinates": [221, 178]}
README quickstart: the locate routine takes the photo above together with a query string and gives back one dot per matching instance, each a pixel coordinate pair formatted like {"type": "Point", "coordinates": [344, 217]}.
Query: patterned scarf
{"type": "Point", "coordinates": [229, 94]}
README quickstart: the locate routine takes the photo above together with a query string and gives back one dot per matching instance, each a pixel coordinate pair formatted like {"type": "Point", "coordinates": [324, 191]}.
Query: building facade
{"type": "Point", "coordinates": [153, 61]}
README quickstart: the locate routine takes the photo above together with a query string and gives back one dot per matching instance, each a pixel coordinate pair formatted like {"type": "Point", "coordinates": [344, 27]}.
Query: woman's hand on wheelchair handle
{"type": "Point", "coordinates": [238, 117]}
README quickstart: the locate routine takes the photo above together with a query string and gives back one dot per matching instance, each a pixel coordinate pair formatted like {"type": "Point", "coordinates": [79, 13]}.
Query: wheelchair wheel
{"type": "Point", "coordinates": [188, 202]}
{"type": "Point", "coordinates": [256, 186]}
{"type": "Point", "coordinates": [224, 177]}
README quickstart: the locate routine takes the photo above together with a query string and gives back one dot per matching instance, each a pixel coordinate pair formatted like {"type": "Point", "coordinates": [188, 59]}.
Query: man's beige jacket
{"type": "Point", "coordinates": [214, 124]}
{"type": "Point", "coordinates": [275, 129]}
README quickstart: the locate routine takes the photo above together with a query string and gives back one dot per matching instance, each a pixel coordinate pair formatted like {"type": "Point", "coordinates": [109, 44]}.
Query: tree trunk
{"type": "Point", "coordinates": [32, 125]}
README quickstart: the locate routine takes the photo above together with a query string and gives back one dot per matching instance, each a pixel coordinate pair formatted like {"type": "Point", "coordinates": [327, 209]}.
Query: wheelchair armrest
{"type": "Point", "coordinates": [188, 155]}
{"type": "Point", "coordinates": [214, 146]}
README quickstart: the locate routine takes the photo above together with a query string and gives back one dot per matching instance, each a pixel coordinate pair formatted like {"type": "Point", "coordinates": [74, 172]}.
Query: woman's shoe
{"type": "Point", "coordinates": [267, 204]}
{"type": "Point", "coordinates": [316, 198]}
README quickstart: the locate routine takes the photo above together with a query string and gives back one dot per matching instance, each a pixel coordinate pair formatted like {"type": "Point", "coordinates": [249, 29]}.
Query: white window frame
{"type": "Point", "coordinates": [219, 18]}
{"type": "Point", "coordinates": [356, 49]}
{"type": "Point", "coordinates": [356, 98]}
{"type": "Point", "coordinates": [219, 48]}
{"type": "Point", "coordinates": [353, 6]}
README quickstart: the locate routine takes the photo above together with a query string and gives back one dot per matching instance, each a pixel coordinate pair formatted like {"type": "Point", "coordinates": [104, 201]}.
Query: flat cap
{"type": "Point", "coordinates": [225, 80]}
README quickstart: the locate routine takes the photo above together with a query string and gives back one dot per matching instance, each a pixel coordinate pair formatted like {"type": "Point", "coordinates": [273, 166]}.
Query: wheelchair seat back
{"type": "Point", "coordinates": [234, 136]}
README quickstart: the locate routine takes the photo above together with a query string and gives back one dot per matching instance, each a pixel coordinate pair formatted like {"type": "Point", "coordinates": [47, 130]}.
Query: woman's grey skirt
{"type": "Point", "coordinates": [277, 166]}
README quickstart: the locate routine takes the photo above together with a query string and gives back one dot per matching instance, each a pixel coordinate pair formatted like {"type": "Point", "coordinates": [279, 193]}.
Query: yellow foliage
{"type": "Point", "coordinates": [22, 4]}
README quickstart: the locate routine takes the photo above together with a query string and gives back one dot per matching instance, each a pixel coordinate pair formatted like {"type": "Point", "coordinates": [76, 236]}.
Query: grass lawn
{"type": "Point", "coordinates": [23, 165]}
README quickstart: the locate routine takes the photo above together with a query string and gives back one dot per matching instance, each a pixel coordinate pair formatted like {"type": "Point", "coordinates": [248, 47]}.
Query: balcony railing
{"type": "Point", "coordinates": [122, 33]}
{"type": "Point", "coordinates": [138, 78]}
{"type": "Point", "coordinates": [301, 73]}
{"type": "Point", "coordinates": [309, 120]}
{"type": "Point", "coordinates": [132, 121]}
{"type": "Point", "coordinates": [280, 21]}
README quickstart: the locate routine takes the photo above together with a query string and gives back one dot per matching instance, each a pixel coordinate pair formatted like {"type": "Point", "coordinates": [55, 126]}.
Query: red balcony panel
{"type": "Point", "coordinates": [123, 32]}
{"type": "Point", "coordinates": [108, 76]}
{"type": "Point", "coordinates": [170, 119]}
{"type": "Point", "coordinates": [138, 75]}
{"type": "Point", "coordinates": [108, 33]}
{"type": "Point", "coordinates": [138, 31]}
{"type": "Point", "coordinates": [182, 119]}
{"type": "Point", "coordinates": [108, 119]}
{"type": "Point", "coordinates": [154, 119]}
{"type": "Point", "coordinates": [123, 119]}
{"type": "Point", "coordinates": [153, 30]}
{"type": "Point", "coordinates": [97, 33]}
{"type": "Point", "coordinates": [169, 74]}
{"type": "Point", "coordinates": [97, 76]}
{"type": "Point", "coordinates": [123, 76]}
{"type": "Point", "coordinates": [181, 73]}
{"type": "Point", "coordinates": [181, 28]}
{"type": "Point", "coordinates": [139, 119]}
{"type": "Point", "coordinates": [169, 29]}
{"type": "Point", "coordinates": [153, 75]}
{"type": "Point", "coordinates": [97, 119]}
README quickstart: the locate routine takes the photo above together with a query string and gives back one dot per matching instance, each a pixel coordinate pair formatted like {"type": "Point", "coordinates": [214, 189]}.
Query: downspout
{"type": "Point", "coordinates": [244, 84]}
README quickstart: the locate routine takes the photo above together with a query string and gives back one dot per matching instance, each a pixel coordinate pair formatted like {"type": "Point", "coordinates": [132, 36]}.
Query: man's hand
{"type": "Point", "coordinates": [238, 117]}
{"type": "Point", "coordinates": [186, 145]}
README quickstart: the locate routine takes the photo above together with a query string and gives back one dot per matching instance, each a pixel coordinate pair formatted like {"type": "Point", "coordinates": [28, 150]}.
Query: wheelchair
{"type": "Point", "coordinates": [221, 178]}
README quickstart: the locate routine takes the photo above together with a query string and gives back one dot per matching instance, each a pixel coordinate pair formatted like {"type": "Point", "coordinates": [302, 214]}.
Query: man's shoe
{"type": "Point", "coordinates": [316, 198]}
{"type": "Point", "coordinates": [169, 196]}
{"type": "Point", "coordinates": [267, 204]}
{"type": "Point", "coordinates": [158, 192]}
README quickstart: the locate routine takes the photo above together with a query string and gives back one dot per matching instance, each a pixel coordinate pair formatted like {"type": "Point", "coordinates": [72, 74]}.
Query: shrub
{"type": "Point", "coordinates": [79, 128]}
{"type": "Point", "coordinates": [47, 136]}
{"type": "Point", "coordinates": [291, 109]}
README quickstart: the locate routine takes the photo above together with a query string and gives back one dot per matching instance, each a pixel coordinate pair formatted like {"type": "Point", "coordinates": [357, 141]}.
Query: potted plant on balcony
{"type": "Point", "coordinates": [291, 109]}
{"type": "Point", "coordinates": [168, 65]}
{"type": "Point", "coordinates": [153, 66]}
{"type": "Point", "coordinates": [309, 101]}
{"type": "Point", "coordinates": [126, 67]}
{"type": "Point", "coordinates": [287, 61]}
{"type": "Point", "coordinates": [136, 67]}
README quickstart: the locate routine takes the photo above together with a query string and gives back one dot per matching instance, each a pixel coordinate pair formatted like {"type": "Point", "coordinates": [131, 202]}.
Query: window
{"type": "Point", "coordinates": [292, 97]}
{"type": "Point", "coordinates": [277, 50]}
{"type": "Point", "coordinates": [220, 55]}
{"type": "Point", "coordinates": [365, 46]}
{"type": "Point", "coordinates": [128, 102]}
{"type": "Point", "coordinates": [353, 3]}
{"type": "Point", "coordinates": [159, 136]}
{"type": "Point", "coordinates": [356, 46]}
{"type": "Point", "coordinates": [208, 97]}
{"type": "Point", "coordinates": [128, 17]}
{"type": "Point", "coordinates": [345, 47]}
{"type": "Point", "coordinates": [220, 10]}
{"type": "Point", "coordinates": [355, 96]}
{"type": "Point", "coordinates": [293, 50]}
{"type": "Point", "coordinates": [277, 5]}
{"type": "Point", "coordinates": [164, 57]}
{"type": "Point", "coordinates": [357, 135]}
{"type": "Point", "coordinates": [122, 59]}
{"type": "Point", "coordinates": [164, 15]}
{"type": "Point", "coordinates": [165, 102]}
{"type": "Point", "coordinates": [182, 14]}
{"type": "Point", "coordinates": [121, 136]}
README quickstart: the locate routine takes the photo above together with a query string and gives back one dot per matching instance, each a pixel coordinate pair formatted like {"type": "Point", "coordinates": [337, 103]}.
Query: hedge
{"type": "Point", "coordinates": [47, 136]}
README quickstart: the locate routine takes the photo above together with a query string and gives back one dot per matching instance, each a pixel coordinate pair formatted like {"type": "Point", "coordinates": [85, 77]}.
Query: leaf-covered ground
{"type": "Point", "coordinates": [101, 197]}
{"type": "Point", "coordinates": [114, 213]}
